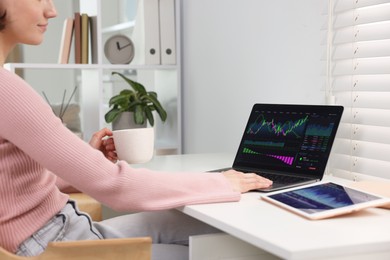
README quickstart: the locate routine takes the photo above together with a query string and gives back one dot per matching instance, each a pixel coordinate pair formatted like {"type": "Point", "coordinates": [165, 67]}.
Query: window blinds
{"type": "Point", "coordinates": [359, 79]}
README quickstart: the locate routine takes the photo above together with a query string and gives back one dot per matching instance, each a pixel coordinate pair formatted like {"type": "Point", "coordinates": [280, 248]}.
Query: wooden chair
{"type": "Point", "coordinates": [109, 249]}
{"type": "Point", "coordinates": [88, 204]}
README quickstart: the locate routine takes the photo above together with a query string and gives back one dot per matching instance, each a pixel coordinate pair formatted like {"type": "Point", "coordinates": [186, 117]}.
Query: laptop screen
{"type": "Point", "coordinates": [289, 138]}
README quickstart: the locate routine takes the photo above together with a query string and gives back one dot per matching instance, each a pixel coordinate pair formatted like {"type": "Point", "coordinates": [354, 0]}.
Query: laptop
{"type": "Point", "coordinates": [287, 143]}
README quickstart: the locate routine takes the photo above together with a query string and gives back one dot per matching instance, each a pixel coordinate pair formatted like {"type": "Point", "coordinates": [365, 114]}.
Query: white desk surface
{"type": "Point", "coordinates": [280, 232]}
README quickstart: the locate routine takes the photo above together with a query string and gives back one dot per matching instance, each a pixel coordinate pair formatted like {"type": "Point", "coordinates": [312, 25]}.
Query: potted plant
{"type": "Point", "coordinates": [133, 108]}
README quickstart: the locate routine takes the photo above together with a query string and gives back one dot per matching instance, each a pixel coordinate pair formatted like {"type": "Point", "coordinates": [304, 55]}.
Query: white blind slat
{"type": "Point", "coordinates": [377, 100]}
{"type": "Point", "coordinates": [367, 49]}
{"type": "Point", "coordinates": [370, 150]}
{"type": "Point", "coordinates": [371, 167]}
{"type": "Point", "coordinates": [346, 174]}
{"type": "Point", "coordinates": [342, 146]}
{"type": "Point", "coordinates": [362, 15]}
{"type": "Point", "coordinates": [379, 65]}
{"type": "Point", "coordinates": [366, 133]}
{"type": "Point", "coordinates": [372, 117]}
{"type": "Point", "coordinates": [364, 32]}
{"type": "Point", "coordinates": [340, 161]}
{"type": "Point", "coordinates": [345, 164]}
{"type": "Point", "coordinates": [379, 82]}
{"type": "Point", "coordinates": [345, 5]}
{"type": "Point", "coordinates": [359, 149]}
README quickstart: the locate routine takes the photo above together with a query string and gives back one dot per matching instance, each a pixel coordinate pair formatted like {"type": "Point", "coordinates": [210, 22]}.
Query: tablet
{"type": "Point", "coordinates": [325, 200]}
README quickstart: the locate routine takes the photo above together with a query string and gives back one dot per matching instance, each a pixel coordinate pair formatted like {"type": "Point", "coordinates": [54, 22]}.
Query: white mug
{"type": "Point", "coordinates": [134, 145]}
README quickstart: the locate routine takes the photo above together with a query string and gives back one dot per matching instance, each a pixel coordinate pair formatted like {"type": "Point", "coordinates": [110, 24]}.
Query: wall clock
{"type": "Point", "coordinates": [119, 49]}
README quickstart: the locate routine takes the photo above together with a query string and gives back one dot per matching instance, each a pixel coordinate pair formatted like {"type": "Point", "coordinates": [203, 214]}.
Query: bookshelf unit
{"type": "Point", "coordinates": [96, 85]}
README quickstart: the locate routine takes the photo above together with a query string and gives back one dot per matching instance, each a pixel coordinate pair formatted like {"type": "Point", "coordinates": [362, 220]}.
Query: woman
{"type": "Point", "coordinates": [39, 157]}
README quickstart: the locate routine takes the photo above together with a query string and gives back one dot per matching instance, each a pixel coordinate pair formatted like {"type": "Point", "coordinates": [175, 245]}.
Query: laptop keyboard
{"type": "Point", "coordinates": [281, 178]}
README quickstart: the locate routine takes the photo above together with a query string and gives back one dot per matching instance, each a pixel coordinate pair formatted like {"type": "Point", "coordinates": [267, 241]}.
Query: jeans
{"type": "Point", "coordinates": [169, 230]}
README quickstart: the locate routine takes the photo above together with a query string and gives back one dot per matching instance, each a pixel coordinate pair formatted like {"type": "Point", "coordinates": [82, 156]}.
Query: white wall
{"type": "Point", "coordinates": [239, 52]}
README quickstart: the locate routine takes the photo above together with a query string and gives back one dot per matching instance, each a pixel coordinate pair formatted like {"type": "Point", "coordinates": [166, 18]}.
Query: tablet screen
{"type": "Point", "coordinates": [322, 197]}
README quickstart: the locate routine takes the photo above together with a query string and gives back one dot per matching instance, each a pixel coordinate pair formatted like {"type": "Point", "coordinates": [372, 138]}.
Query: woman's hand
{"type": "Point", "coordinates": [244, 182]}
{"type": "Point", "coordinates": [102, 141]}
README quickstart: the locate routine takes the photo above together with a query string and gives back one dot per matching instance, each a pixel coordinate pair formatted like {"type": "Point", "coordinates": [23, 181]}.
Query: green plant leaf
{"type": "Point", "coordinates": [139, 118]}
{"type": "Point", "coordinates": [111, 115]}
{"type": "Point", "coordinates": [135, 85]}
{"type": "Point", "coordinates": [136, 100]}
{"type": "Point", "coordinates": [153, 94]}
{"type": "Point", "coordinates": [131, 107]}
{"type": "Point", "coordinates": [119, 100]}
{"type": "Point", "coordinates": [149, 115]}
{"type": "Point", "coordinates": [158, 107]}
{"type": "Point", "coordinates": [127, 92]}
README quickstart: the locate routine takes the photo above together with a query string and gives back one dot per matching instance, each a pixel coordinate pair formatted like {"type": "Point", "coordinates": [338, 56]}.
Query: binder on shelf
{"type": "Point", "coordinates": [66, 41]}
{"type": "Point", "coordinates": [167, 31]}
{"type": "Point", "coordinates": [77, 37]}
{"type": "Point", "coordinates": [84, 38]}
{"type": "Point", "coordinates": [152, 32]}
{"type": "Point", "coordinates": [138, 37]}
{"type": "Point", "coordinates": [93, 37]}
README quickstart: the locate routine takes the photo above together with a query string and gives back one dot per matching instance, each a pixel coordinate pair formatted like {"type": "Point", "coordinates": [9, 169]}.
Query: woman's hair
{"type": "Point", "coordinates": [2, 18]}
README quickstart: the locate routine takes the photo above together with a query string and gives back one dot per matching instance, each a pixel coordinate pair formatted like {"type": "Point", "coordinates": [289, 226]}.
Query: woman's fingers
{"type": "Point", "coordinates": [244, 182]}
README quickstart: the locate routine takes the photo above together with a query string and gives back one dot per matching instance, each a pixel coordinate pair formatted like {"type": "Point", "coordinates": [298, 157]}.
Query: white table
{"type": "Point", "coordinates": [252, 225]}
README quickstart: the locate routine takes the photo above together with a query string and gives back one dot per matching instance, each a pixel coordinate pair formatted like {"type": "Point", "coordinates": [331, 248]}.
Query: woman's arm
{"type": "Point", "coordinates": [35, 130]}
{"type": "Point", "coordinates": [101, 141]}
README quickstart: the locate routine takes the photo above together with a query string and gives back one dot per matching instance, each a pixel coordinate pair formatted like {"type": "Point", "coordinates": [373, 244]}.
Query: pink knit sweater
{"type": "Point", "coordinates": [34, 144]}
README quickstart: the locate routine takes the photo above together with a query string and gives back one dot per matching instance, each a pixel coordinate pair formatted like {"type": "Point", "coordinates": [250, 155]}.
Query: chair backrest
{"type": "Point", "coordinates": [88, 204]}
{"type": "Point", "coordinates": [108, 249]}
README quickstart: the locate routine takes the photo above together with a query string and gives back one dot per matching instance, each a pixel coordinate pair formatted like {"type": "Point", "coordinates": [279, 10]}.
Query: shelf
{"type": "Point", "coordinates": [89, 66]}
{"type": "Point", "coordinates": [95, 83]}
{"type": "Point", "coordinates": [50, 66]}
